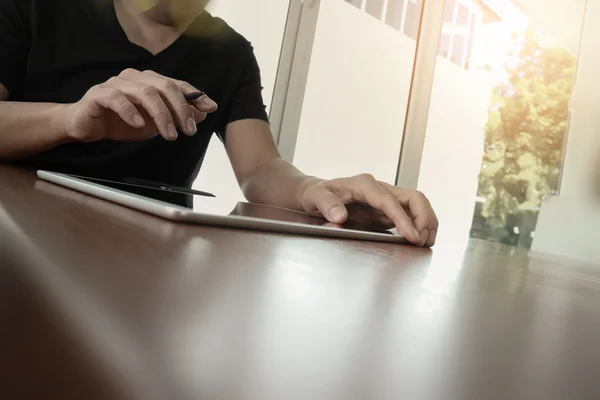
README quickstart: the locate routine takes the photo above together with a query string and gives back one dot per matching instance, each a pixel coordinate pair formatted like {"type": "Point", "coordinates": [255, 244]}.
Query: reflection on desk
{"type": "Point", "coordinates": [197, 312]}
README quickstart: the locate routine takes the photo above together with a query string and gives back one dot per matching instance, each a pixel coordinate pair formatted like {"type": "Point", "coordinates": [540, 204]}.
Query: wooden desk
{"type": "Point", "coordinates": [99, 301]}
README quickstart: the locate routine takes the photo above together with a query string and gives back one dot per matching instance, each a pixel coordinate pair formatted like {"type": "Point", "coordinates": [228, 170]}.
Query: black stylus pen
{"type": "Point", "coordinates": [166, 186]}
{"type": "Point", "coordinates": [193, 96]}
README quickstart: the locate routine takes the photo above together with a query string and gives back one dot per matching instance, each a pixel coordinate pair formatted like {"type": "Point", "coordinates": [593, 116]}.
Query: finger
{"type": "Point", "coordinates": [180, 108]}
{"type": "Point", "coordinates": [113, 99]}
{"type": "Point", "coordinates": [150, 99]}
{"type": "Point", "coordinates": [199, 115]}
{"type": "Point", "coordinates": [419, 206]}
{"type": "Point", "coordinates": [431, 238]}
{"type": "Point", "coordinates": [366, 189]}
{"type": "Point", "coordinates": [330, 206]}
{"type": "Point", "coordinates": [203, 103]}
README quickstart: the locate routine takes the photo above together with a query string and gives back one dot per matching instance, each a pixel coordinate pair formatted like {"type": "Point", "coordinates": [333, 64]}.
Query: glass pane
{"type": "Point", "coordinates": [355, 3]}
{"type": "Point", "coordinates": [356, 95]}
{"type": "Point", "coordinates": [413, 18]}
{"type": "Point", "coordinates": [445, 46]}
{"type": "Point", "coordinates": [471, 41]}
{"type": "Point", "coordinates": [394, 14]}
{"type": "Point", "coordinates": [374, 8]}
{"type": "Point", "coordinates": [462, 16]}
{"type": "Point", "coordinates": [458, 50]}
{"type": "Point", "coordinates": [449, 11]}
{"type": "Point", "coordinates": [495, 135]}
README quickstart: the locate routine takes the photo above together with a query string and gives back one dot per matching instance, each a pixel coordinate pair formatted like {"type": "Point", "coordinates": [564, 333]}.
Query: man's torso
{"type": "Point", "coordinates": [76, 44]}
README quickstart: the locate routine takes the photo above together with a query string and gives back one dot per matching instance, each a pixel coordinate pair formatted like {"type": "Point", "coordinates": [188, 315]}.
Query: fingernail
{"type": "Point", "coordinates": [138, 120]}
{"type": "Point", "coordinates": [172, 131]}
{"type": "Point", "coordinates": [431, 238]}
{"type": "Point", "coordinates": [191, 126]}
{"type": "Point", "coordinates": [416, 233]}
{"type": "Point", "coordinates": [424, 235]}
{"type": "Point", "coordinates": [337, 214]}
{"type": "Point", "coordinates": [209, 102]}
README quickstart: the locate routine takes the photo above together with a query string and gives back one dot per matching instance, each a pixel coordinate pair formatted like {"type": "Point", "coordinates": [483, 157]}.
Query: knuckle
{"type": "Point", "coordinates": [119, 100]}
{"type": "Point", "coordinates": [163, 113]}
{"type": "Point", "coordinates": [422, 198]}
{"type": "Point", "coordinates": [123, 104]}
{"type": "Point", "coordinates": [128, 72]}
{"type": "Point", "coordinates": [94, 89]}
{"type": "Point", "coordinates": [420, 195]}
{"type": "Point", "coordinates": [185, 85]}
{"type": "Point", "coordinates": [112, 81]}
{"type": "Point", "coordinates": [148, 91]}
{"type": "Point", "coordinates": [169, 86]}
{"type": "Point", "coordinates": [186, 108]}
{"type": "Point", "coordinates": [113, 94]}
{"type": "Point", "coordinates": [366, 177]}
{"type": "Point", "coordinates": [390, 201]}
{"type": "Point", "coordinates": [185, 111]}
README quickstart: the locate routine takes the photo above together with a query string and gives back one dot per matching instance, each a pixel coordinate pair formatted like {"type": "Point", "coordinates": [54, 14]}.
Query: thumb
{"type": "Point", "coordinates": [330, 206]}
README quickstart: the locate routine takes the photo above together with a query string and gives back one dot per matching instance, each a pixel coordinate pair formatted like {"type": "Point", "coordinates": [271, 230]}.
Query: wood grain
{"type": "Point", "coordinates": [99, 301]}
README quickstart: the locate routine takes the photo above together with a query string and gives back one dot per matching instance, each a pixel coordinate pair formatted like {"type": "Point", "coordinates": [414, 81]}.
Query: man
{"type": "Point", "coordinates": [96, 87]}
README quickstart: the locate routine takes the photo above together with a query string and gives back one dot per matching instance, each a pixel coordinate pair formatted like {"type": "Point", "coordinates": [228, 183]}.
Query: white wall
{"type": "Point", "coordinates": [356, 95]}
{"type": "Point", "coordinates": [569, 224]}
{"type": "Point", "coordinates": [262, 22]}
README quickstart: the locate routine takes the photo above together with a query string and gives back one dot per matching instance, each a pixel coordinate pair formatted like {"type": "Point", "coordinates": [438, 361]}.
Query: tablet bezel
{"type": "Point", "coordinates": [180, 214]}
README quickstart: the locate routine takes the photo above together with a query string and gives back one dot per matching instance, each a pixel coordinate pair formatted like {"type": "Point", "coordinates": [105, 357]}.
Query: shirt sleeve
{"type": "Point", "coordinates": [15, 39]}
{"type": "Point", "coordinates": [246, 101]}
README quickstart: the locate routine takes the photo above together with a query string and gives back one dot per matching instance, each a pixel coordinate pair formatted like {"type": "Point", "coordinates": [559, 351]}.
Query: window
{"type": "Point", "coordinates": [355, 3]}
{"type": "Point", "coordinates": [445, 46]}
{"type": "Point", "coordinates": [395, 13]}
{"type": "Point", "coordinates": [458, 50]}
{"type": "Point", "coordinates": [461, 18]}
{"type": "Point", "coordinates": [462, 15]}
{"type": "Point", "coordinates": [413, 18]}
{"type": "Point", "coordinates": [374, 8]}
{"type": "Point", "coordinates": [470, 43]}
{"type": "Point", "coordinates": [449, 11]}
{"type": "Point", "coordinates": [458, 32]}
{"type": "Point", "coordinates": [471, 119]}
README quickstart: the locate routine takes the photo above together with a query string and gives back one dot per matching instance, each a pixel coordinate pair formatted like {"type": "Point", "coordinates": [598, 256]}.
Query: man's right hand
{"type": "Point", "coordinates": [136, 106]}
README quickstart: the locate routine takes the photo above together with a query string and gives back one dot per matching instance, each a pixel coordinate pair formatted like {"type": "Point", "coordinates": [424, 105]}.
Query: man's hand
{"type": "Point", "coordinates": [368, 201]}
{"type": "Point", "coordinates": [136, 106]}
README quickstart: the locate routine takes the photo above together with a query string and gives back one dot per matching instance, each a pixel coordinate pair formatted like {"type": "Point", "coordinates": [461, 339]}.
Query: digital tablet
{"type": "Point", "coordinates": [197, 207]}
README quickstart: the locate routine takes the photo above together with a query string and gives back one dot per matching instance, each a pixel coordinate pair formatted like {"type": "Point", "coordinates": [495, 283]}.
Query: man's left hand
{"type": "Point", "coordinates": [367, 201]}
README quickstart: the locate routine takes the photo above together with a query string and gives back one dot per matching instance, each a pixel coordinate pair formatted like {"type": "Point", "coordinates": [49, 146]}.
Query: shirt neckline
{"type": "Point", "coordinates": [114, 21]}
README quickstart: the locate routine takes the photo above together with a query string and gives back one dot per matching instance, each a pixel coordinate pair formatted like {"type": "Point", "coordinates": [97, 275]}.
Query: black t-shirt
{"type": "Point", "coordinates": [55, 50]}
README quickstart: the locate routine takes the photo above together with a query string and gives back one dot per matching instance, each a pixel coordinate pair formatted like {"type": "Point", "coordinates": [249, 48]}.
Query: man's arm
{"type": "Point", "coordinates": [262, 174]}
{"type": "Point", "coordinates": [110, 110]}
{"type": "Point", "coordinates": [265, 178]}
{"type": "Point", "coordinates": [28, 128]}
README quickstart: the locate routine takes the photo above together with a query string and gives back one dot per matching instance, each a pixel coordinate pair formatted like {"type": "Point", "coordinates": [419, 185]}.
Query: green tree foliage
{"type": "Point", "coordinates": [525, 133]}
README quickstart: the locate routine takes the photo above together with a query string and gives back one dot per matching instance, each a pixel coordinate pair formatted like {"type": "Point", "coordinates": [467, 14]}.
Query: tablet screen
{"type": "Point", "coordinates": [183, 197]}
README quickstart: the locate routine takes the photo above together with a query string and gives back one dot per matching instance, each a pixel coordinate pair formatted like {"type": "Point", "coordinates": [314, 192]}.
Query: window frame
{"type": "Point", "coordinates": [293, 72]}
{"type": "Point", "coordinates": [452, 29]}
